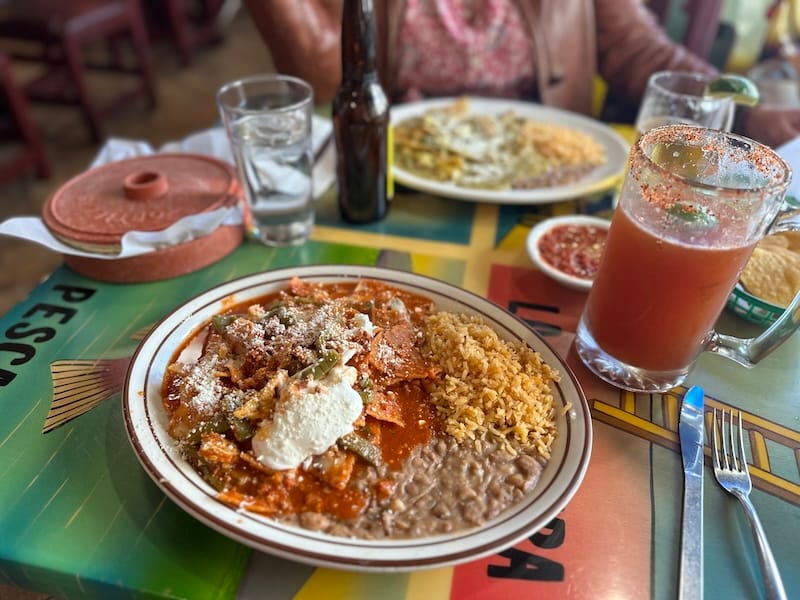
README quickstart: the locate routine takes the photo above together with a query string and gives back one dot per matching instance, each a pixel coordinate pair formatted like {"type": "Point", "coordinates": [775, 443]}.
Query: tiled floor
{"type": "Point", "coordinates": [186, 104]}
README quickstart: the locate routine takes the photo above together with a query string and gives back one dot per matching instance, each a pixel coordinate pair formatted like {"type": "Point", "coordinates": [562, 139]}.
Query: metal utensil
{"type": "Point", "coordinates": [730, 469]}
{"type": "Point", "coordinates": [690, 429]}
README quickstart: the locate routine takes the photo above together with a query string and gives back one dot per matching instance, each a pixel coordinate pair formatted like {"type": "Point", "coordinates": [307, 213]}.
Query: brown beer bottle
{"type": "Point", "coordinates": [360, 120]}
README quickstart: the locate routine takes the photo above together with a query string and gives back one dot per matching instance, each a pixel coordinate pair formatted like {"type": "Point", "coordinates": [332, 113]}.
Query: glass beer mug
{"type": "Point", "coordinates": [693, 205]}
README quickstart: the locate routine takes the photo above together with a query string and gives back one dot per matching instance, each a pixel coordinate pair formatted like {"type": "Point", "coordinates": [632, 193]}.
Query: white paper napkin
{"type": "Point", "coordinates": [210, 142]}
{"type": "Point", "coordinates": [790, 152]}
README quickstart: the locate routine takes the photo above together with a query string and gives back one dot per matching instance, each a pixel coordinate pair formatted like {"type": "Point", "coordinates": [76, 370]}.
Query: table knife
{"type": "Point", "coordinates": [691, 432]}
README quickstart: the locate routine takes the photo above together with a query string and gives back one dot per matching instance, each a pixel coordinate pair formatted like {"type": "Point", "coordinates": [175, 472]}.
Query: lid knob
{"type": "Point", "coordinates": [145, 185]}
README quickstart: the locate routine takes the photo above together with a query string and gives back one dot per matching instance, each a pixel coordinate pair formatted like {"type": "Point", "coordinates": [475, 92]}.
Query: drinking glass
{"type": "Point", "coordinates": [694, 203]}
{"type": "Point", "coordinates": [679, 97]}
{"type": "Point", "coordinates": [268, 121]}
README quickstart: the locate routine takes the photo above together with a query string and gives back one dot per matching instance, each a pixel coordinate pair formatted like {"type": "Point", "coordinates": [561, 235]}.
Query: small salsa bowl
{"type": "Point", "coordinates": [571, 258]}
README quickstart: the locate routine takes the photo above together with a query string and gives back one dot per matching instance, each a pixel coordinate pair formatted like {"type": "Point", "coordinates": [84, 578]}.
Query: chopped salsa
{"type": "Point", "coordinates": [574, 249]}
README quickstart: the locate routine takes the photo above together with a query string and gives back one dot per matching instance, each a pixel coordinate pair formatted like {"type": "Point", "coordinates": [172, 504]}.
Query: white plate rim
{"type": "Point", "coordinates": [144, 421]}
{"type": "Point", "coordinates": [599, 180]}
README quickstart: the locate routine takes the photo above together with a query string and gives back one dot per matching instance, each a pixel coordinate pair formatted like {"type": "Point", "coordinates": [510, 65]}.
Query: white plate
{"type": "Point", "coordinates": [146, 422]}
{"type": "Point", "coordinates": [600, 179]}
{"type": "Point", "coordinates": [536, 233]}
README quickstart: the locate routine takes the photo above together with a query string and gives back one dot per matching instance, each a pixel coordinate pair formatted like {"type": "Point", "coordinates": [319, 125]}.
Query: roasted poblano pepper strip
{"type": "Point", "coordinates": [363, 448]}
{"type": "Point", "coordinates": [319, 369]}
{"type": "Point", "coordinates": [365, 389]}
{"type": "Point", "coordinates": [281, 313]}
{"type": "Point", "coordinates": [220, 322]}
{"type": "Point", "coordinates": [242, 429]}
{"type": "Point", "coordinates": [364, 306]}
{"type": "Point", "coordinates": [218, 424]}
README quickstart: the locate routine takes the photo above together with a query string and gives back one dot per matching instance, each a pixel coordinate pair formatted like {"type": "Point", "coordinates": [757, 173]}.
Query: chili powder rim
{"type": "Point", "coordinates": [760, 155]}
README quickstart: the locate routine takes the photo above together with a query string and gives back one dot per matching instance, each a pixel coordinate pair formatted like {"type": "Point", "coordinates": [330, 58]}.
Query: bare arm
{"type": "Point", "coordinates": [632, 46]}
{"type": "Point", "coordinates": [771, 125]}
{"type": "Point", "coordinates": [303, 38]}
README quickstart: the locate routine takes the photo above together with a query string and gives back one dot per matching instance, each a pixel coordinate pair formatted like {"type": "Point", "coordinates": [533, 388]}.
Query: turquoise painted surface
{"type": "Point", "coordinates": [79, 516]}
{"type": "Point", "coordinates": [411, 215]}
{"type": "Point", "coordinates": [512, 215]}
{"type": "Point", "coordinates": [76, 501]}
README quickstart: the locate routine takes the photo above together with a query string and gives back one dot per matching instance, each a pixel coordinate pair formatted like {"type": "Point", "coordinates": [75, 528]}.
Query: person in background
{"type": "Point", "coordinates": [538, 50]}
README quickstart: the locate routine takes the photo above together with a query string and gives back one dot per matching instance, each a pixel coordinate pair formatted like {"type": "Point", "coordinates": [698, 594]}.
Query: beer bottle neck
{"type": "Point", "coordinates": [358, 40]}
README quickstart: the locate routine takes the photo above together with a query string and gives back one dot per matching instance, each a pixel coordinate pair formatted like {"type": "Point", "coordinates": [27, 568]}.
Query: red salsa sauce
{"type": "Point", "coordinates": [397, 419]}
{"type": "Point", "coordinates": [574, 249]}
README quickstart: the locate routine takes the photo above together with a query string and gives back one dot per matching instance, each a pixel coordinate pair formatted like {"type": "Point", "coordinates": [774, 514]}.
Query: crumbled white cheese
{"type": "Point", "coordinates": [203, 380]}
{"type": "Point", "coordinates": [310, 420]}
{"type": "Point", "coordinates": [361, 322]}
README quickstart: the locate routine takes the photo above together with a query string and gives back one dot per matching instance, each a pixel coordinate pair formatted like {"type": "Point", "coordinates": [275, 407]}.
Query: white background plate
{"type": "Point", "coordinates": [146, 424]}
{"type": "Point", "coordinates": [600, 179]}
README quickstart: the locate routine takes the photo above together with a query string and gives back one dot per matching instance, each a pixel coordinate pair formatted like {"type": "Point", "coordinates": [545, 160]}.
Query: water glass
{"type": "Point", "coordinates": [678, 97]}
{"type": "Point", "coordinates": [693, 205]}
{"type": "Point", "coordinates": [268, 121]}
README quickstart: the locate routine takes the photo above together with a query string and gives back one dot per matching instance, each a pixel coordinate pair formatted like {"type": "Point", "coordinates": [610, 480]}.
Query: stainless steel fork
{"type": "Point", "coordinates": [731, 471]}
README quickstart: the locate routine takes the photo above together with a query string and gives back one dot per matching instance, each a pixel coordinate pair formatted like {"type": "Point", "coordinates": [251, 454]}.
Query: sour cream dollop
{"type": "Point", "coordinates": [308, 419]}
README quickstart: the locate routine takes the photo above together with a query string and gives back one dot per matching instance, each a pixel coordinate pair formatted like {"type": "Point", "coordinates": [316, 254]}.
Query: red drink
{"type": "Point", "coordinates": [670, 295]}
{"type": "Point", "coordinates": [693, 205]}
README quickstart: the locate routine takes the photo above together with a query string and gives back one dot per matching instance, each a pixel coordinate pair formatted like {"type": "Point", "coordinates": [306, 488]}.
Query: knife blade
{"type": "Point", "coordinates": [691, 432]}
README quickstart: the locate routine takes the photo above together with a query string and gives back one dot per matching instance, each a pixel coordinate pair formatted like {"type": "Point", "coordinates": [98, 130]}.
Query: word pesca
{"type": "Point", "coordinates": [34, 332]}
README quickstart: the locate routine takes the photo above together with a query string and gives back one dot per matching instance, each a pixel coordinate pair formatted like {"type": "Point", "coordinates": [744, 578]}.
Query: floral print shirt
{"type": "Point", "coordinates": [452, 47]}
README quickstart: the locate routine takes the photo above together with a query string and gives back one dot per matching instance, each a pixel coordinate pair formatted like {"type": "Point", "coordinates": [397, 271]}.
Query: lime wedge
{"type": "Point", "coordinates": [694, 215]}
{"type": "Point", "coordinates": [741, 89]}
{"type": "Point", "coordinates": [678, 158]}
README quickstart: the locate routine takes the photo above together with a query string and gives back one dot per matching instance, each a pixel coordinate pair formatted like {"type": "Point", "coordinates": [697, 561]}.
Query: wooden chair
{"type": "Point", "coordinates": [190, 23]}
{"type": "Point", "coordinates": [18, 128]}
{"type": "Point", "coordinates": [56, 34]}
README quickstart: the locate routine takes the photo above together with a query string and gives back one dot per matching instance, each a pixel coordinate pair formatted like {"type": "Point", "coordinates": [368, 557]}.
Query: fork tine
{"type": "Point", "coordinates": [736, 462]}
{"type": "Point", "coordinates": [715, 439]}
{"type": "Point", "coordinates": [725, 432]}
{"type": "Point", "coordinates": [742, 457]}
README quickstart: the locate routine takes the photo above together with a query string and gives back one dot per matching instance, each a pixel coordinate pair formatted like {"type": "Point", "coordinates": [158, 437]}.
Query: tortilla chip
{"type": "Point", "coordinates": [385, 408]}
{"type": "Point", "coordinates": [773, 274]}
{"type": "Point", "coordinates": [792, 239]}
{"type": "Point", "coordinates": [777, 240]}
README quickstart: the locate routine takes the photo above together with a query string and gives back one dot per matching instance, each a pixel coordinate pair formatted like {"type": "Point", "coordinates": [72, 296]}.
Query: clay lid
{"type": "Point", "coordinates": [93, 210]}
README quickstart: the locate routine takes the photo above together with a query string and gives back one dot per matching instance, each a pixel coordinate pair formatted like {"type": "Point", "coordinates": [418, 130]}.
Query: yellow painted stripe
{"type": "Point", "coordinates": [330, 585]}
{"type": "Point", "coordinates": [640, 423]}
{"type": "Point", "coordinates": [433, 584]}
{"type": "Point", "coordinates": [481, 244]}
{"type": "Point", "coordinates": [425, 264]}
{"type": "Point", "coordinates": [771, 427]}
{"type": "Point", "coordinates": [382, 241]}
{"type": "Point", "coordinates": [758, 447]}
{"type": "Point", "coordinates": [515, 240]}
{"type": "Point", "coordinates": [629, 402]}
{"type": "Point", "coordinates": [775, 480]}
{"type": "Point", "coordinates": [671, 417]}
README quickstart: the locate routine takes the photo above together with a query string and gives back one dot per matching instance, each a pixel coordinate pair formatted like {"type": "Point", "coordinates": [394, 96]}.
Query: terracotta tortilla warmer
{"type": "Point", "coordinates": [95, 209]}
